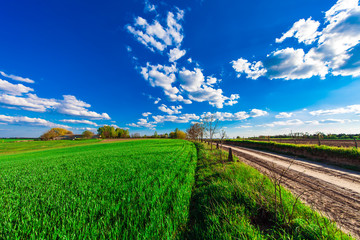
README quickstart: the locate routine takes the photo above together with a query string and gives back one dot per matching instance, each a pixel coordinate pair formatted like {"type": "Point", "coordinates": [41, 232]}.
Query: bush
{"type": "Point", "coordinates": [55, 132]}
{"type": "Point", "coordinates": [87, 134]}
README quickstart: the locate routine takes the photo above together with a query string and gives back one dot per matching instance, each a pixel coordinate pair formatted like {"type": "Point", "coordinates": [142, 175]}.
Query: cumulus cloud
{"type": "Point", "coordinates": [74, 107]}
{"type": "Point", "coordinates": [146, 114]}
{"type": "Point", "coordinates": [162, 76]}
{"type": "Point", "coordinates": [252, 70]}
{"type": "Point", "coordinates": [334, 48]}
{"type": "Point", "coordinates": [258, 113]}
{"type": "Point", "coordinates": [69, 105]}
{"type": "Point", "coordinates": [30, 103]}
{"type": "Point", "coordinates": [352, 109]}
{"type": "Point", "coordinates": [156, 36]}
{"type": "Point", "coordinates": [17, 78]}
{"type": "Point", "coordinates": [28, 120]}
{"type": "Point", "coordinates": [175, 54]}
{"type": "Point", "coordinates": [193, 82]}
{"type": "Point", "coordinates": [142, 123]}
{"type": "Point", "coordinates": [284, 115]}
{"type": "Point", "coordinates": [290, 63]}
{"type": "Point", "coordinates": [304, 30]}
{"type": "Point", "coordinates": [170, 110]}
{"type": "Point", "coordinates": [79, 121]}
{"type": "Point", "coordinates": [14, 89]}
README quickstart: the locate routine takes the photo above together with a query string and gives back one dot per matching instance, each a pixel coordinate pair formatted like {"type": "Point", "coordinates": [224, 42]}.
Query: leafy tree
{"type": "Point", "coordinates": [178, 134]}
{"type": "Point", "coordinates": [87, 134]}
{"type": "Point", "coordinates": [107, 131]}
{"type": "Point", "coordinates": [55, 132]}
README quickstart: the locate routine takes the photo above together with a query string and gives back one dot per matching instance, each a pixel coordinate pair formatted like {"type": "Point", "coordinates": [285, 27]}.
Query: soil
{"type": "Point", "coordinates": [335, 143]}
{"type": "Point", "coordinates": [333, 191]}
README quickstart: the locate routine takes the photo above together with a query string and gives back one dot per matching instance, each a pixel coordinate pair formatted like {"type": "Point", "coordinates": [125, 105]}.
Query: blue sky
{"type": "Point", "coordinates": [263, 67]}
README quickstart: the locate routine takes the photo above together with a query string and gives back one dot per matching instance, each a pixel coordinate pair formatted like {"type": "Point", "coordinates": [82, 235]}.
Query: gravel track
{"type": "Point", "coordinates": [333, 191]}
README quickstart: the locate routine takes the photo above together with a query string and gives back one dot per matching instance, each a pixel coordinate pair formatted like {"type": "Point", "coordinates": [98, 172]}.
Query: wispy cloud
{"type": "Point", "coordinates": [352, 109]}
{"type": "Point", "coordinates": [28, 120]}
{"type": "Point", "coordinates": [17, 78]}
{"type": "Point", "coordinates": [79, 121]}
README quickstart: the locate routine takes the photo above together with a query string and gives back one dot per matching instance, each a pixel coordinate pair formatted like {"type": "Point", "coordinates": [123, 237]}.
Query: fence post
{"type": "Point", "coordinates": [319, 140]}
{"type": "Point", "coordinates": [356, 145]}
{"type": "Point", "coordinates": [217, 145]}
{"type": "Point", "coordinates": [230, 157]}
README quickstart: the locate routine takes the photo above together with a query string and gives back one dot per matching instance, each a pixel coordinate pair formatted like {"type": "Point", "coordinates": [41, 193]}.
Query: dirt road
{"type": "Point", "coordinates": [333, 191]}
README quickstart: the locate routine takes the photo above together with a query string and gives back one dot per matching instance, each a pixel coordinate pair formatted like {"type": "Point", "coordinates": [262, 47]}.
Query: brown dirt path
{"type": "Point", "coordinates": [333, 191]}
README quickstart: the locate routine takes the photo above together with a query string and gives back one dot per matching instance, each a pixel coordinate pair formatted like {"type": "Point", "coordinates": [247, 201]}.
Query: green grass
{"type": "Point", "coordinates": [5, 140]}
{"type": "Point", "coordinates": [11, 147]}
{"type": "Point", "coordinates": [350, 152]}
{"type": "Point", "coordinates": [122, 190]}
{"type": "Point", "coordinates": [235, 201]}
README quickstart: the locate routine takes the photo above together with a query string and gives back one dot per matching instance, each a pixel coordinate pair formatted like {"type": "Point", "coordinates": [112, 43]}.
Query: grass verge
{"type": "Point", "coordinates": [235, 201]}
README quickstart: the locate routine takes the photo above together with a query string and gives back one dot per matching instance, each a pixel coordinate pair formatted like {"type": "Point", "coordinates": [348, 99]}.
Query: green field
{"type": "Point", "coordinates": [4, 140]}
{"type": "Point", "coordinates": [145, 189]}
{"type": "Point", "coordinates": [124, 190]}
{"type": "Point", "coordinates": [10, 147]}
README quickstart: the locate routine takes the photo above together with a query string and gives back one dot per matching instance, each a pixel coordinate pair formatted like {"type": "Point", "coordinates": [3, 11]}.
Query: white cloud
{"type": "Point", "coordinates": [258, 113]}
{"type": "Point", "coordinates": [145, 114]}
{"type": "Point", "coordinates": [352, 109]}
{"type": "Point", "coordinates": [157, 100]}
{"type": "Point", "coordinates": [170, 110]}
{"type": "Point", "coordinates": [252, 70]}
{"type": "Point", "coordinates": [149, 7]}
{"type": "Point", "coordinates": [32, 121]}
{"type": "Point", "coordinates": [290, 63]}
{"type": "Point", "coordinates": [193, 82]}
{"type": "Point", "coordinates": [284, 115]}
{"type": "Point", "coordinates": [184, 118]}
{"type": "Point", "coordinates": [69, 105]}
{"type": "Point", "coordinates": [74, 107]}
{"type": "Point", "coordinates": [293, 122]}
{"type": "Point", "coordinates": [157, 36]}
{"type": "Point", "coordinates": [14, 89]}
{"type": "Point", "coordinates": [226, 116]}
{"type": "Point", "coordinates": [79, 121]}
{"type": "Point", "coordinates": [175, 54]}
{"type": "Point", "coordinates": [304, 30]}
{"type": "Point", "coordinates": [161, 76]}
{"type": "Point", "coordinates": [244, 126]}
{"type": "Point", "coordinates": [30, 103]}
{"type": "Point", "coordinates": [142, 123]}
{"type": "Point", "coordinates": [335, 48]}
{"type": "Point", "coordinates": [17, 78]}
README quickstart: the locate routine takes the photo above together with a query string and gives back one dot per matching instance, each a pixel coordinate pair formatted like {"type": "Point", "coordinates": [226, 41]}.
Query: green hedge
{"type": "Point", "coordinates": [349, 156]}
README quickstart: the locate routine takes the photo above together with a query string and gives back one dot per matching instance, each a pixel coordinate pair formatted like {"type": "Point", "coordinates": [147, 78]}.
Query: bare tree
{"type": "Point", "coordinates": [210, 126]}
{"type": "Point", "coordinates": [195, 131]}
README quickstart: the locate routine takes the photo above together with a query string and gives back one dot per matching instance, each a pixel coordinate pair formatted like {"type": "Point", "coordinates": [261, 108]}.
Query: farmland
{"type": "Point", "coordinates": [145, 189]}
{"type": "Point", "coordinates": [8, 147]}
{"type": "Point", "coordinates": [138, 189]}
{"type": "Point", "coordinates": [327, 142]}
